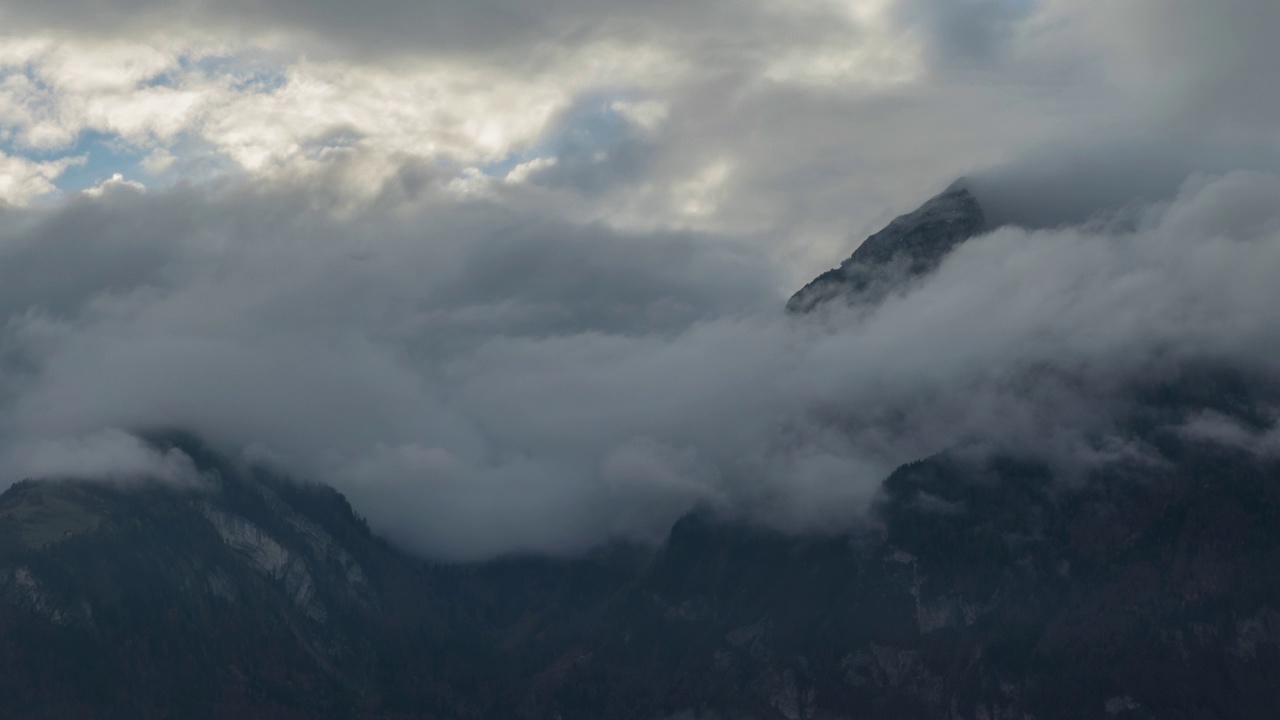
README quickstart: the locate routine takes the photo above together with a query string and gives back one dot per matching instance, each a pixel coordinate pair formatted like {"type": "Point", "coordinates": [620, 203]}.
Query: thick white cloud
{"type": "Point", "coordinates": [52, 91]}
{"type": "Point", "coordinates": [480, 381]}
{"type": "Point", "coordinates": [810, 122]}
{"type": "Point", "coordinates": [23, 180]}
{"type": "Point", "coordinates": [510, 274]}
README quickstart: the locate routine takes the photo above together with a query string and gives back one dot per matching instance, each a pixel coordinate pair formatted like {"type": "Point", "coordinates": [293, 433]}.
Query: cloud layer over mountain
{"type": "Point", "coordinates": [511, 275]}
{"type": "Point", "coordinates": [481, 382]}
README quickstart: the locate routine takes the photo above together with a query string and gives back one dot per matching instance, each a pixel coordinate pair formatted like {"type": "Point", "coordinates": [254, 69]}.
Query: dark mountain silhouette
{"type": "Point", "coordinates": [982, 586]}
{"type": "Point", "coordinates": [910, 246]}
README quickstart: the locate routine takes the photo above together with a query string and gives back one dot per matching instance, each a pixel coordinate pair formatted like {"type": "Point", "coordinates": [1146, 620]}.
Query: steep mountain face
{"type": "Point", "coordinates": [251, 596]}
{"type": "Point", "coordinates": [984, 588]}
{"type": "Point", "coordinates": [987, 587]}
{"type": "Point", "coordinates": [910, 246]}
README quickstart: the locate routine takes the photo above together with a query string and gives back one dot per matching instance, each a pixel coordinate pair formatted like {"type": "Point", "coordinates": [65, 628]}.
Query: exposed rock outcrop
{"type": "Point", "coordinates": [910, 246]}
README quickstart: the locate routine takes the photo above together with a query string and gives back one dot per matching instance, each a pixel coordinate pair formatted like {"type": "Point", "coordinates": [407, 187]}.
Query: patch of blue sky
{"type": "Point", "coordinates": [98, 156]}
{"type": "Point", "coordinates": [104, 155]}
{"type": "Point", "coordinates": [589, 126]}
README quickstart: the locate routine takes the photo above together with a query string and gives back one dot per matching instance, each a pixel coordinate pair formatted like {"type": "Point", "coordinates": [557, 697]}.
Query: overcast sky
{"type": "Point", "coordinates": [510, 274]}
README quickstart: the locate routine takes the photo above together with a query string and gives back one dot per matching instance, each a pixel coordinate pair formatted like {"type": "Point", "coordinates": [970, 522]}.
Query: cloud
{"type": "Point", "coordinates": [479, 381]}
{"type": "Point", "coordinates": [1073, 182]}
{"type": "Point", "coordinates": [971, 31]}
{"type": "Point", "coordinates": [461, 94]}
{"type": "Point", "coordinates": [155, 93]}
{"type": "Point", "coordinates": [111, 455]}
{"type": "Point", "coordinates": [398, 27]}
{"type": "Point", "coordinates": [23, 180]}
{"type": "Point", "coordinates": [808, 123]}
{"type": "Point", "coordinates": [52, 91]}
{"type": "Point", "coordinates": [115, 183]}
{"type": "Point", "coordinates": [510, 275]}
{"type": "Point", "coordinates": [1207, 67]}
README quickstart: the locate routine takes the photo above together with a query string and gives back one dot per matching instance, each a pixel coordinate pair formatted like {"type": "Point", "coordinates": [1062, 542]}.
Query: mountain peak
{"type": "Point", "coordinates": [911, 245]}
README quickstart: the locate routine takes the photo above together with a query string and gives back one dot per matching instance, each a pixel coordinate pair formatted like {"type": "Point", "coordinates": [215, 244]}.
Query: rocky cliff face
{"type": "Point", "coordinates": [982, 589]}
{"type": "Point", "coordinates": [910, 246]}
{"type": "Point", "coordinates": [255, 596]}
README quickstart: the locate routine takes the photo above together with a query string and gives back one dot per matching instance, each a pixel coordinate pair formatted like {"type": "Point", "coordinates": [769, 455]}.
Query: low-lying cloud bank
{"type": "Point", "coordinates": [480, 380]}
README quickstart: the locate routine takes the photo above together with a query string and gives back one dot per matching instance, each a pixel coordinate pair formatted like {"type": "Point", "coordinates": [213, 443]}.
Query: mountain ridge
{"type": "Point", "coordinates": [982, 589]}
{"type": "Point", "coordinates": [981, 585]}
{"type": "Point", "coordinates": [911, 245]}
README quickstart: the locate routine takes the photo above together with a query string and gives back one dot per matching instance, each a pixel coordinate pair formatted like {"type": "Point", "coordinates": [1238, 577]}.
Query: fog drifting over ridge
{"type": "Point", "coordinates": [599, 387]}
{"type": "Point", "coordinates": [512, 279]}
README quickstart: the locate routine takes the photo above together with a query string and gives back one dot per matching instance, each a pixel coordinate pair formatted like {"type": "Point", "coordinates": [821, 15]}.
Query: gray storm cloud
{"type": "Point", "coordinates": [1100, 180]}
{"type": "Point", "coordinates": [494, 28]}
{"type": "Point", "coordinates": [519, 373]}
{"type": "Point", "coordinates": [597, 385]}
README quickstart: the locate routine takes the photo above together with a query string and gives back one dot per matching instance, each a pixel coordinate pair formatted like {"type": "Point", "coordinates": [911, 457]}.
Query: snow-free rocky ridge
{"type": "Point", "coordinates": [978, 587]}
{"type": "Point", "coordinates": [907, 248]}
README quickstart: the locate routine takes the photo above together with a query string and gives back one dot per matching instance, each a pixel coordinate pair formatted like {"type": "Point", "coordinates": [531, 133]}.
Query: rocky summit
{"type": "Point", "coordinates": [910, 246]}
